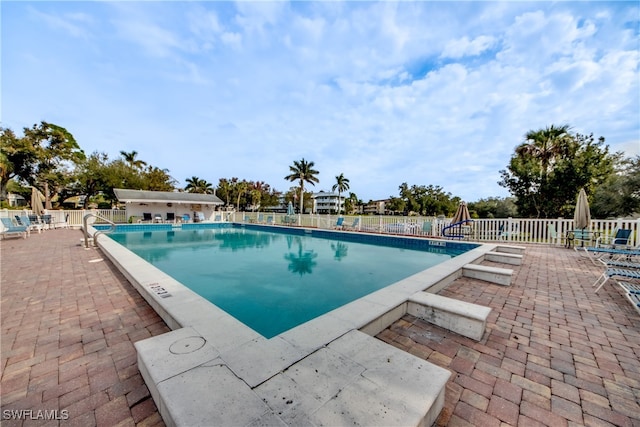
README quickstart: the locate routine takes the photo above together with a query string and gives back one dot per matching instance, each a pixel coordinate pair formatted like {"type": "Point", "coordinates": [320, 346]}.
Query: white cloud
{"type": "Point", "coordinates": [464, 47]}
{"type": "Point", "coordinates": [419, 92]}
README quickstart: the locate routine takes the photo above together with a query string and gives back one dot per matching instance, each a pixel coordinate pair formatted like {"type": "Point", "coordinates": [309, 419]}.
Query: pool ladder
{"type": "Point", "coordinates": [86, 232]}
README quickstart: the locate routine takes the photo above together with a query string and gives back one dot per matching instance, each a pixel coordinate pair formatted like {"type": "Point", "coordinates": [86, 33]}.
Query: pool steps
{"type": "Point", "coordinates": [466, 319]}
{"type": "Point", "coordinates": [504, 258]}
{"type": "Point", "coordinates": [499, 276]}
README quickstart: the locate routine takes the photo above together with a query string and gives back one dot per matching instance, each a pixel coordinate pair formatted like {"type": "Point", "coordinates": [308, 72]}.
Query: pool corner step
{"type": "Point", "coordinates": [464, 318]}
{"type": "Point", "coordinates": [499, 276]}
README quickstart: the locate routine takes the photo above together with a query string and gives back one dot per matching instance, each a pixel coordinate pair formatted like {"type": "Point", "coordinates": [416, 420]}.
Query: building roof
{"type": "Point", "coordinates": [142, 196]}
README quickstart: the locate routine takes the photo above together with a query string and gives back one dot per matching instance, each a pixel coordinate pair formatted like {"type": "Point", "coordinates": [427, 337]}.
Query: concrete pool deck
{"type": "Point", "coordinates": [76, 353]}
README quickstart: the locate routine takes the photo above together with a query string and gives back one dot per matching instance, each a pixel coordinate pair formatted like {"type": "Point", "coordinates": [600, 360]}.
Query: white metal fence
{"type": "Point", "coordinates": [517, 230]}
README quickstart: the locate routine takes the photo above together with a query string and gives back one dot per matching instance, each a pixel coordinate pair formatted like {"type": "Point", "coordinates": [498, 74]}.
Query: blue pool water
{"type": "Point", "coordinates": [274, 281]}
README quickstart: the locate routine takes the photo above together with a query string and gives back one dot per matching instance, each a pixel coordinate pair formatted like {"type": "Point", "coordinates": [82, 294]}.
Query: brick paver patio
{"type": "Point", "coordinates": [554, 353]}
{"type": "Point", "coordinates": [69, 321]}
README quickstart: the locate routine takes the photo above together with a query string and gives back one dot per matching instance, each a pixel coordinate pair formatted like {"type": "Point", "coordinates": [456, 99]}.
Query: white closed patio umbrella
{"type": "Point", "coordinates": [582, 215]}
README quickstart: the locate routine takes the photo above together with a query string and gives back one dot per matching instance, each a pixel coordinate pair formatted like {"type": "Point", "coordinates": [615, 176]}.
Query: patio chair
{"type": "Point", "coordinates": [11, 228]}
{"type": "Point", "coordinates": [199, 217]}
{"type": "Point", "coordinates": [353, 226]}
{"type": "Point", "coordinates": [260, 218]}
{"type": "Point", "coordinates": [270, 220]}
{"type": "Point", "coordinates": [218, 218]}
{"type": "Point", "coordinates": [427, 226]}
{"type": "Point", "coordinates": [186, 218]}
{"type": "Point", "coordinates": [157, 218]}
{"type": "Point", "coordinates": [632, 292]}
{"type": "Point", "coordinates": [615, 272]}
{"type": "Point", "coordinates": [62, 224]}
{"type": "Point", "coordinates": [597, 254]}
{"type": "Point", "coordinates": [620, 238]}
{"type": "Point", "coordinates": [46, 221]}
{"type": "Point", "coordinates": [339, 223]}
{"type": "Point", "coordinates": [146, 217]}
{"type": "Point", "coordinates": [555, 238]}
{"type": "Point", "coordinates": [171, 217]}
{"type": "Point", "coordinates": [24, 220]}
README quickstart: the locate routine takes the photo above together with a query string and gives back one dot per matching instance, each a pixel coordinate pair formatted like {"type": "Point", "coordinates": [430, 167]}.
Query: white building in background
{"type": "Point", "coordinates": [327, 203]}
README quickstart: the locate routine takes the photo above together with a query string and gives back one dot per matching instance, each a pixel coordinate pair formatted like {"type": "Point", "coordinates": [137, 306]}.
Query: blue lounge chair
{"type": "Point", "coordinates": [270, 220]}
{"type": "Point", "coordinates": [186, 218]}
{"type": "Point", "coordinates": [615, 272]}
{"type": "Point", "coordinates": [11, 228]}
{"type": "Point", "coordinates": [24, 220]}
{"type": "Point", "coordinates": [620, 238]}
{"type": "Point", "coordinates": [339, 223]}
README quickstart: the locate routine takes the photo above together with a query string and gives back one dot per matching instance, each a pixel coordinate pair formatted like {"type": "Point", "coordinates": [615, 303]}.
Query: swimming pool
{"type": "Point", "coordinates": [273, 279]}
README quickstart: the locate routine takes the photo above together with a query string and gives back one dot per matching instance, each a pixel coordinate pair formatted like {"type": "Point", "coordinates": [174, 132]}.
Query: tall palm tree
{"type": "Point", "coordinates": [342, 184]}
{"type": "Point", "coordinates": [241, 188]}
{"type": "Point", "coordinates": [302, 171]}
{"type": "Point", "coordinates": [197, 185]}
{"type": "Point", "coordinates": [130, 158]}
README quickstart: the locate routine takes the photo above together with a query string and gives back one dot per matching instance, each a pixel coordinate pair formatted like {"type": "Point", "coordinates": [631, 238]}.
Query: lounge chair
{"type": "Point", "coordinates": [270, 220]}
{"type": "Point", "coordinates": [157, 218]}
{"type": "Point", "coordinates": [620, 238]}
{"type": "Point", "coordinates": [146, 217]}
{"type": "Point", "coordinates": [24, 220]}
{"type": "Point", "coordinates": [186, 218]}
{"type": "Point", "coordinates": [11, 228]}
{"type": "Point", "coordinates": [171, 217]}
{"type": "Point", "coordinates": [260, 218]}
{"type": "Point", "coordinates": [339, 223]}
{"type": "Point", "coordinates": [199, 217]}
{"type": "Point", "coordinates": [615, 272]}
{"type": "Point", "coordinates": [353, 226]}
{"type": "Point", "coordinates": [632, 292]}
{"type": "Point", "coordinates": [218, 218]}
{"type": "Point", "coordinates": [597, 254]}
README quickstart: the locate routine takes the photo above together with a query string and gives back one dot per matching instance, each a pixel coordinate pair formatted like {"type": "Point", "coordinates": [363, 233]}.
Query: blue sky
{"type": "Point", "coordinates": [428, 93]}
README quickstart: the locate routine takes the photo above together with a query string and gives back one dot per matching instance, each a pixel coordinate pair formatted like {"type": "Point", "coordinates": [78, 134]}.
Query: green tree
{"type": "Point", "coordinates": [241, 187]}
{"type": "Point", "coordinates": [302, 171]}
{"type": "Point", "coordinates": [342, 185]}
{"type": "Point", "coordinates": [131, 160]}
{"type": "Point", "coordinates": [18, 159]}
{"type": "Point", "coordinates": [224, 190]}
{"type": "Point", "coordinates": [156, 179]}
{"type": "Point", "coordinates": [55, 151]}
{"type": "Point", "coordinates": [546, 172]}
{"type": "Point", "coordinates": [494, 207]}
{"type": "Point", "coordinates": [197, 185]}
{"type": "Point", "coordinates": [619, 194]}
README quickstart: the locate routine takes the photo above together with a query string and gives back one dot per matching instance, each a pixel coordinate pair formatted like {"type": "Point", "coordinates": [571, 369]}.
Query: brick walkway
{"type": "Point", "coordinates": [554, 353]}
{"type": "Point", "coordinates": [69, 321]}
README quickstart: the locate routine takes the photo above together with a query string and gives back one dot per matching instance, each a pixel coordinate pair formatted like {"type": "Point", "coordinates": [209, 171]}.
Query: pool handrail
{"type": "Point", "coordinates": [457, 224]}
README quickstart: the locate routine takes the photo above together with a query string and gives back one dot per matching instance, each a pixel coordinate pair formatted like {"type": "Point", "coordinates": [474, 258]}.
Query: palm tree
{"type": "Point", "coordinates": [545, 145]}
{"type": "Point", "coordinates": [342, 184]}
{"type": "Point", "coordinates": [302, 171]}
{"type": "Point", "coordinates": [197, 185]}
{"type": "Point", "coordinates": [241, 188]}
{"type": "Point", "coordinates": [131, 159]}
